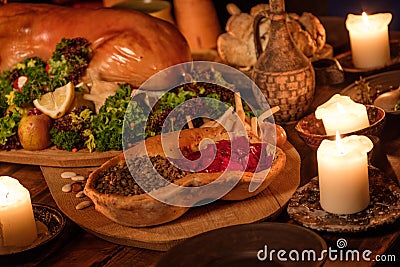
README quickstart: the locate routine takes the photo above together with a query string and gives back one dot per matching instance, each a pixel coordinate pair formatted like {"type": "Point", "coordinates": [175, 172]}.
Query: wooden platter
{"type": "Point", "coordinates": [267, 204]}
{"type": "Point", "coordinates": [57, 158]}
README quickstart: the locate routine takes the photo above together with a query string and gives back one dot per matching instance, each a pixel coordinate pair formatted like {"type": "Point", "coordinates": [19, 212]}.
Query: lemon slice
{"type": "Point", "coordinates": [56, 104]}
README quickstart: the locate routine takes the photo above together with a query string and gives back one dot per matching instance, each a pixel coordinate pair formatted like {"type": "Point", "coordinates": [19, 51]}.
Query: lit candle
{"type": "Point", "coordinates": [17, 222]}
{"type": "Point", "coordinates": [343, 174]}
{"type": "Point", "coordinates": [369, 39]}
{"type": "Point", "coordinates": [342, 114]}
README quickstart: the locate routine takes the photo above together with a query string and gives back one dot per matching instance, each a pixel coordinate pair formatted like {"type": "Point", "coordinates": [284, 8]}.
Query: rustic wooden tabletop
{"type": "Point", "coordinates": [77, 247]}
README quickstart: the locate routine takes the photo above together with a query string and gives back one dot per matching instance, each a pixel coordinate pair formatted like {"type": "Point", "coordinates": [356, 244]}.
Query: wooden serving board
{"type": "Point", "coordinates": [267, 204]}
{"type": "Point", "coordinates": [57, 158]}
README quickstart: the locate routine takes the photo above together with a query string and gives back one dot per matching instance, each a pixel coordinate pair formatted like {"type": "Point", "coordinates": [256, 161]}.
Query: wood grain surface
{"type": "Point", "coordinates": [267, 204]}
{"type": "Point", "coordinates": [57, 158]}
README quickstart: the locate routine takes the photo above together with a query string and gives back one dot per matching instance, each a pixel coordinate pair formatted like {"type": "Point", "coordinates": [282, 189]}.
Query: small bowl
{"type": "Point", "coordinates": [328, 71]}
{"type": "Point", "coordinates": [387, 101]}
{"type": "Point", "coordinates": [312, 130]}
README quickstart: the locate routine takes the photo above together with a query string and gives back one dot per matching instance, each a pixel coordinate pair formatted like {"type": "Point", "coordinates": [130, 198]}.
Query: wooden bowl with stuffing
{"type": "Point", "coordinates": [125, 189]}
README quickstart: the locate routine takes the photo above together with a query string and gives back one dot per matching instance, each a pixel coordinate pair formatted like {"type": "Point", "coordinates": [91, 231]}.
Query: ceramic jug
{"type": "Point", "coordinates": [282, 72]}
{"type": "Point", "coordinates": [198, 22]}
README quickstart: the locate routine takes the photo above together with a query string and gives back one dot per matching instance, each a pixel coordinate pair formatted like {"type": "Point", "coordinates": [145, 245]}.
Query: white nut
{"type": "Point", "coordinates": [83, 205]}
{"type": "Point", "coordinates": [66, 188]}
{"type": "Point", "coordinates": [78, 178]}
{"type": "Point", "coordinates": [80, 194]}
{"type": "Point", "coordinates": [67, 175]}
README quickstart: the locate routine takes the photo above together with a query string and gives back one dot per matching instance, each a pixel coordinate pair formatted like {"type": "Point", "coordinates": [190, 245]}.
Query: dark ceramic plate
{"type": "Point", "coordinates": [384, 207]}
{"type": "Point", "coordinates": [346, 60]}
{"type": "Point", "coordinates": [245, 245]}
{"type": "Point", "coordinates": [50, 223]}
{"type": "Point", "coordinates": [382, 82]}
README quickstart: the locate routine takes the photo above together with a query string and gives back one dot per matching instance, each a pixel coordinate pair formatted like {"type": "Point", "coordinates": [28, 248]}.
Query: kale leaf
{"type": "Point", "coordinates": [69, 61]}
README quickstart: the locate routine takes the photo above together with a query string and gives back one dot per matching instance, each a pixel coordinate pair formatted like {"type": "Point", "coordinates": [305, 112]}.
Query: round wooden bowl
{"type": "Point", "coordinates": [312, 130]}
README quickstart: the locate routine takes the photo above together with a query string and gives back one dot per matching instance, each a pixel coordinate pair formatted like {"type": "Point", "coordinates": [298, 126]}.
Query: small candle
{"type": "Point", "coordinates": [17, 223]}
{"type": "Point", "coordinates": [342, 114]}
{"type": "Point", "coordinates": [369, 39]}
{"type": "Point", "coordinates": [343, 174]}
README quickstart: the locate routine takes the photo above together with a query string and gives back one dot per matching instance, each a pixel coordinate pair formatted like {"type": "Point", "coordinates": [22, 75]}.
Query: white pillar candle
{"type": "Point", "coordinates": [343, 174]}
{"type": "Point", "coordinates": [369, 39]}
{"type": "Point", "coordinates": [17, 222]}
{"type": "Point", "coordinates": [342, 114]}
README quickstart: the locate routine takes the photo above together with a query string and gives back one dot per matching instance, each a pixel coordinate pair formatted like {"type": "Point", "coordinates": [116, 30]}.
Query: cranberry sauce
{"type": "Point", "coordinates": [238, 155]}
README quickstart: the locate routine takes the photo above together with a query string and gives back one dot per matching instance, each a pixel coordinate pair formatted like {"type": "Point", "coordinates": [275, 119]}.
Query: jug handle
{"type": "Point", "coordinates": [256, 29]}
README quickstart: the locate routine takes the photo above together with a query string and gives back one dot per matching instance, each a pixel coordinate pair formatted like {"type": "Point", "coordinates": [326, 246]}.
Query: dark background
{"type": "Point", "coordinates": [322, 8]}
{"type": "Point", "coordinates": [318, 7]}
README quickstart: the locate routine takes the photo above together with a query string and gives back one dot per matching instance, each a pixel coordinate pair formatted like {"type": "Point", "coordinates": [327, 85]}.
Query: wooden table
{"type": "Point", "coordinates": [76, 247]}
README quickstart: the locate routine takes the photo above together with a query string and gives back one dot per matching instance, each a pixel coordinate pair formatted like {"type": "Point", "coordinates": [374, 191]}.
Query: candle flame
{"type": "Point", "coordinates": [339, 143]}
{"type": "Point", "coordinates": [365, 19]}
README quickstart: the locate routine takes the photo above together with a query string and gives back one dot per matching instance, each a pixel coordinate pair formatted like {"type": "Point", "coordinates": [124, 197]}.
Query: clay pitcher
{"type": "Point", "coordinates": [197, 20]}
{"type": "Point", "coordinates": [282, 72]}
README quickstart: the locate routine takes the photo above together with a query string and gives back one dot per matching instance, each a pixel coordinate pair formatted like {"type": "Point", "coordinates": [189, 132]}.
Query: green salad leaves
{"type": "Point", "coordinates": [69, 62]}
{"type": "Point", "coordinates": [8, 126]}
{"type": "Point", "coordinates": [103, 131]}
{"type": "Point", "coordinates": [106, 127]}
{"type": "Point", "coordinates": [35, 85]}
{"type": "Point", "coordinates": [81, 128]}
{"type": "Point", "coordinates": [33, 77]}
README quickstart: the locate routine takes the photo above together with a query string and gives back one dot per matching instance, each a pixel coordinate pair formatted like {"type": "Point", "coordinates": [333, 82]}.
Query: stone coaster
{"type": "Point", "coordinates": [384, 207]}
